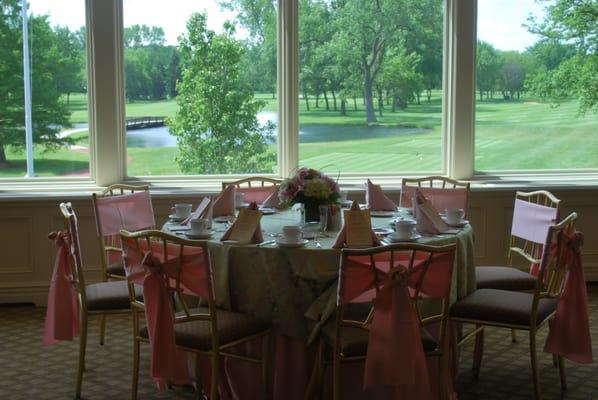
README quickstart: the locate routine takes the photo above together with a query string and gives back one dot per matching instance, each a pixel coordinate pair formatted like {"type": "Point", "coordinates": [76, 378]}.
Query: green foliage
{"type": "Point", "coordinates": [216, 125]}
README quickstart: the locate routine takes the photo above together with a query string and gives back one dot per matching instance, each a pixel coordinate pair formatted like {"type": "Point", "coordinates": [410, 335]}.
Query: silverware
{"type": "Point", "coordinates": [318, 245]}
{"type": "Point", "coordinates": [267, 242]}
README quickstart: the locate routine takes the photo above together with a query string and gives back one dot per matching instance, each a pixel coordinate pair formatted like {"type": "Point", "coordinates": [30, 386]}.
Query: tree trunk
{"type": "Point", "coordinates": [343, 107]}
{"type": "Point", "coordinates": [68, 98]}
{"type": "Point", "coordinates": [3, 161]}
{"type": "Point", "coordinates": [429, 94]}
{"type": "Point", "coordinates": [394, 103]}
{"type": "Point", "coordinates": [355, 103]}
{"type": "Point", "coordinates": [274, 95]}
{"type": "Point", "coordinates": [388, 97]}
{"type": "Point", "coordinates": [368, 97]}
{"type": "Point", "coordinates": [306, 100]}
{"type": "Point", "coordinates": [317, 100]}
{"type": "Point", "coordinates": [418, 98]}
{"type": "Point", "coordinates": [481, 95]}
{"type": "Point", "coordinates": [326, 101]}
{"type": "Point", "coordinates": [380, 102]}
{"type": "Point", "coordinates": [333, 99]}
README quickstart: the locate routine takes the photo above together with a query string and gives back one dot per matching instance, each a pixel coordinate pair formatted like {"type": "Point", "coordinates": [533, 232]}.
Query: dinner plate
{"type": "Point", "coordinates": [283, 243]}
{"type": "Point", "coordinates": [206, 235]}
{"type": "Point", "coordinates": [459, 224]}
{"type": "Point", "coordinates": [267, 210]}
{"type": "Point", "coordinates": [174, 218]}
{"type": "Point", "coordinates": [381, 214]}
{"type": "Point", "coordinates": [224, 218]}
{"type": "Point", "coordinates": [395, 239]}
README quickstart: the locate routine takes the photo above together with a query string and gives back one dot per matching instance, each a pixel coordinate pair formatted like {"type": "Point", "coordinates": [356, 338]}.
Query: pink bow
{"type": "Point", "coordinates": [62, 314]}
{"type": "Point", "coordinates": [569, 334]}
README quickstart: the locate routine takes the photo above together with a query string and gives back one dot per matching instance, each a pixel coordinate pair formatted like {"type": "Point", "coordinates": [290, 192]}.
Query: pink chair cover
{"type": "Point", "coordinates": [440, 198]}
{"type": "Point", "coordinates": [532, 221]}
{"type": "Point", "coordinates": [132, 212]}
{"type": "Point", "coordinates": [400, 363]}
{"type": "Point", "coordinates": [376, 199]}
{"type": "Point", "coordinates": [62, 314]}
{"type": "Point", "coordinates": [147, 266]}
{"type": "Point", "coordinates": [224, 205]}
{"type": "Point", "coordinates": [569, 334]}
{"type": "Point", "coordinates": [258, 194]}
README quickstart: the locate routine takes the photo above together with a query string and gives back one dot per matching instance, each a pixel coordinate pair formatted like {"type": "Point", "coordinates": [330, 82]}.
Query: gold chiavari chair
{"type": "Point", "coordinates": [432, 183]}
{"type": "Point", "coordinates": [201, 331]}
{"type": "Point", "coordinates": [252, 182]}
{"type": "Point", "coordinates": [521, 310]}
{"type": "Point", "coordinates": [101, 298]}
{"type": "Point", "coordinates": [110, 250]}
{"type": "Point", "coordinates": [347, 334]}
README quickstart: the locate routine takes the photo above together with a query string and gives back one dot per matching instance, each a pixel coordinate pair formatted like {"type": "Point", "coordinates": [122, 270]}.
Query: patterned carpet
{"type": "Point", "coordinates": [30, 371]}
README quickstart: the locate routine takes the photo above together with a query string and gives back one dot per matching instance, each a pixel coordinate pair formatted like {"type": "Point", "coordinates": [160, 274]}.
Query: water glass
{"type": "Point", "coordinates": [324, 211]}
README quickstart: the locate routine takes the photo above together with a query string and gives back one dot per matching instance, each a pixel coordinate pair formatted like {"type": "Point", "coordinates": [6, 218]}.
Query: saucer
{"type": "Point", "coordinates": [267, 210]}
{"type": "Point", "coordinates": [205, 235]}
{"type": "Point", "coordinates": [283, 243]}
{"type": "Point", "coordinates": [224, 218]}
{"type": "Point", "coordinates": [381, 213]}
{"type": "Point", "coordinates": [459, 224]}
{"type": "Point", "coordinates": [174, 218]}
{"type": "Point", "coordinates": [382, 231]}
{"type": "Point", "coordinates": [396, 239]}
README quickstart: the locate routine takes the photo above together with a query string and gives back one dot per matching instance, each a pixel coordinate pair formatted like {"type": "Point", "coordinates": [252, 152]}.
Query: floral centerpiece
{"type": "Point", "coordinates": [312, 188]}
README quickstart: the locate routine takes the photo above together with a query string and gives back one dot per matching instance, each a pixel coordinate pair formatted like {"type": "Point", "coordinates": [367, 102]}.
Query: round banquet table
{"type": "Point", "coordinates": [295, 289]}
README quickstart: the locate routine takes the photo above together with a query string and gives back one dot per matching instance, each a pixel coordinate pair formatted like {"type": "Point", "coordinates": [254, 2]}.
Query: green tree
{"type": "Point", "coordinates": [488, 64]}
{"type": "Point", "coordinates": [216, 124]}
{"type": "Point", "coordinates": [70, 74]}
{"type": "Point", "coordinates": [49, 114]}
{"type": "Point", "coordinates": [401, 77]}
{"type": "Point", "coordinates": [572, 22]}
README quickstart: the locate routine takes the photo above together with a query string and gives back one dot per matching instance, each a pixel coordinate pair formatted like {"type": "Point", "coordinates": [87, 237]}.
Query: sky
{"type": "Point", "coordinates": [499, 21]}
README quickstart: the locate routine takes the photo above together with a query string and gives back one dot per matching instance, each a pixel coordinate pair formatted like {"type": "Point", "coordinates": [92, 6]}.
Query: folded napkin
{"type": "Point", "coordinates": [354, 232]}
{"type": "Point", "coordinates": [272, 201]}
{"type": "Point", "coordinates": [247, 227]}
{"type": "Point", "coordinates": [376, 199]}
{"type": "Point", "coordinates": [201, 208]}
{"type": "Point", "coordinates": [427, 217]}
{"type": "Point", "coordinates": [224, 205]}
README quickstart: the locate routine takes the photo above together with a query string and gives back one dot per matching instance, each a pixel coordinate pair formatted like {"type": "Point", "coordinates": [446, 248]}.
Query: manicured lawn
{"type": "Point", "coordinates": [524, 134]}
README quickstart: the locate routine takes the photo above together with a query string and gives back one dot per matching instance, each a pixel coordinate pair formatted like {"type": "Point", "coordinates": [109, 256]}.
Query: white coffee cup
{"type": "Point", "coordinates": [291, 233]}
{"type": "Point", "coordinates": [199, 226]}
{"type": "Point", "coordinates": [454, 215]}
{"type": "Point", "coordinates": [181, 210]}
{"type": "Point", "coordinates": [239, 199]}
{"type": "Point", "coordinates": [405, 228]}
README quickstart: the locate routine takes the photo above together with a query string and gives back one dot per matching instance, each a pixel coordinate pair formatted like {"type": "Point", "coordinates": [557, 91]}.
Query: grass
{"type": "Point", "coordinates": [510, 135]}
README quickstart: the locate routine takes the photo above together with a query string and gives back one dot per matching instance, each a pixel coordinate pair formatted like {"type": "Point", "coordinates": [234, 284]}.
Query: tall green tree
{"type": "Point", "coordinates": [216, 124]}
{"type": "Point", "coordinates": [488, 64]}
{"type": "Point", "coordinates": [49, 113]}
{"type": "Point", "coordinates": [573, 22]}
{"type": "Point", "coordinates": [70, 74]}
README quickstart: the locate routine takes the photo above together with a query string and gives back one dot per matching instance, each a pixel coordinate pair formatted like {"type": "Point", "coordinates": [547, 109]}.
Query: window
{"type": "Point", "coordinates": [53, 85]}
{"type": "Point", "coordinates": [526, 116]}
{"type": "Point", "coordinates": [371, 86]}
{"type": "Point", "coordinates": [202, 103]}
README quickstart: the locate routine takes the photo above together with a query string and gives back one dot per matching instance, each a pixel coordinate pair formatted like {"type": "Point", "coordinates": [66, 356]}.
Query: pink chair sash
{"type": "Point", "coordinates": [569, 334]}
{"type": "Point", "coordinates": [257, 194]}
{"type": "Point", "coordinates": [62, 314]}
{"type": "Point", "coordinates": [440, 198]}
{"type": "Point", "coordinates": [389, 361]}
{"type": "Point", "coordinates": [132, 212]}
{"type": "Point", "coordinates": [146, 266]}
{"type": "Point", "coordinates": [532, 221]}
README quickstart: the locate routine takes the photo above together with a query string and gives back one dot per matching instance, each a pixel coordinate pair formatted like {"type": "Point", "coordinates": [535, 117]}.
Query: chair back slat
{"type": "Point", "coordinates": [441, 191]}
{"type": "Point", "coordinates": [71, 226]}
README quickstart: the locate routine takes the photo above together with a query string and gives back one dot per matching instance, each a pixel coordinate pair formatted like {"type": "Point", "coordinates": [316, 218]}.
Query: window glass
{"type": "Point", "coordinates": [370, 82]}
{"type": "Point", "coordinates": [57, 84]}
{"type": "Point", "coordinates": [534, 105]}
{"type": "Point", "coordinates": [200, 87]}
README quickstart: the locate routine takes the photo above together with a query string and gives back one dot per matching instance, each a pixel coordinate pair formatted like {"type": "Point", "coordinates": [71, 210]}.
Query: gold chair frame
{"type": "Point", "coordinates": [248, 182]}
{"type": "Point", "coordinates": [553, 272]}
{"type": "Point", "coordinates": [110, 243]}
{"type": "Point", "coordinates": [441, 182]}
{"type": "Point", "coordinates": [70, 219]}
{"type": "Point", "coordinates": [338, 358]}
{"type": "Point", "coordinates": [218, 350]}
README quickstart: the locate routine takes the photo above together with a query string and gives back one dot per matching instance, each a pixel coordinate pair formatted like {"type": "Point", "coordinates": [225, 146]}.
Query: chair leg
{"type": "Point", "coordinates": [478, 353]}
{"type": "Point", "coordinates": [265, 355]}
{"type": "Point", "coordinates": [198, 387]}
{"type": "Point", "coordinates": [534, 360]}
{"type": "Point", "coordinates": [336, 377]}
{"type": "Point", "coordinates": [82, 348]}
{"type": "Point", "coordinates": [555, 361]}
{"type": "Point", "coordinates": [102, 329]}
{"type": "Point", "coordinates": [135, 380]}
{"type": "Point", "coordinates": [215, 373]}
{"type": "Point", "coordinates": [562, 373]}
{"type": "Point", "coordinates": [513, 336]}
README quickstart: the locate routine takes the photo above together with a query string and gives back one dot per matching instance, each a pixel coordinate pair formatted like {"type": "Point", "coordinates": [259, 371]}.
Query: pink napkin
{"type": "Point", "coordinates": [62, 314]}
{"type": "Point", "coordinates": [257, 237]}
{"type": "Point", "coordinates": [201, 209]}
{"type": "Point", "coordinates": [428, 220]}
{"type": "Point", "coordinates": [569, 334]}
{"type": "Point", "coordinates": [224, 205]}
{"type": "Point", "coordinates": [341, 237]}
{"type": "Point", "coordinates": [272, 201]}
{"type": "Point", "coordinates": [376, 199]}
